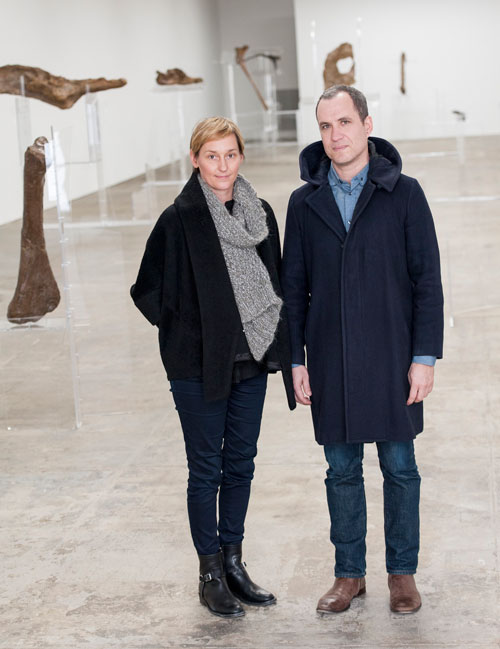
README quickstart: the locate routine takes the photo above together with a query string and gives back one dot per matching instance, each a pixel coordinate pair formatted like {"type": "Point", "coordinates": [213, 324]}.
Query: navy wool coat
{"type": "Point", "coordinates": [183, 287]}
{"type": "Point", "coordinates": [364, 302]}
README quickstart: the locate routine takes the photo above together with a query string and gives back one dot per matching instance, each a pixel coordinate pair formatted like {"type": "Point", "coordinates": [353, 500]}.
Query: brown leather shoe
{"type": "Point", "coordinates": [405, 597]}
{"type": "Point", "coordinates": [339, 597]}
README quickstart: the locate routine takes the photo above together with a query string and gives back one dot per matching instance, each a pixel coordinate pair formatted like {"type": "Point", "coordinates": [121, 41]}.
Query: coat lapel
{"type": "Point", "coordinates": [323, 203]}
{"type": "Point", "coordinates": [215, 293]}
{"type": "Point", "coordinates": [363, 200]}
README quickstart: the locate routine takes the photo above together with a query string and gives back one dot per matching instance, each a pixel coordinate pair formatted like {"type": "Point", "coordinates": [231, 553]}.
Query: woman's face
{"type": "Point", "coordinates": [219, 162]}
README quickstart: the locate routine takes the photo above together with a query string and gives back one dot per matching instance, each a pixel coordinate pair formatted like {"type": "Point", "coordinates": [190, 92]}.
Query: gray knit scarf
{"type": "Point", "coordinates": [239, 233]}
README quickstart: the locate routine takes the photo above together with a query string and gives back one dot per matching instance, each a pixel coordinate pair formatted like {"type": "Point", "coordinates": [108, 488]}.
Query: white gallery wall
{"type": "Point", "coordinates": [113, 39]}
{"type": "Point", "coordinates": [451, 49]}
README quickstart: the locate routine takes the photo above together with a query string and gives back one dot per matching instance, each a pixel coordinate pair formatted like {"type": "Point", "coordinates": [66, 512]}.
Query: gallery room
{"type": "Point", "coordinates": [249, 324]}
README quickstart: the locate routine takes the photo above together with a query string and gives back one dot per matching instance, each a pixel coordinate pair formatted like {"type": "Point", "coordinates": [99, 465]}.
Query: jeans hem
{"type": "Point", "coordinates": [348, 575]}
{"type": "Point", "coordinates": [401, 572]}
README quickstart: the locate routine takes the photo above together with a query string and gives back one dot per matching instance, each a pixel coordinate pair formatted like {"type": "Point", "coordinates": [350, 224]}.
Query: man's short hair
{"type": "Point", "coordinates": [358, 98]}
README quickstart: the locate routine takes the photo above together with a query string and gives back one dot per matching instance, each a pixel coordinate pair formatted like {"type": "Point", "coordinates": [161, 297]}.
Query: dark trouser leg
{"type": "Point", "coordinates": [244, 414]}
{"type": "Point", "coordinates": [401, 506]}
{"type": "Point", "coordinates": [346, 501]}
{"type": "Point", "coordinates": [203, 426]}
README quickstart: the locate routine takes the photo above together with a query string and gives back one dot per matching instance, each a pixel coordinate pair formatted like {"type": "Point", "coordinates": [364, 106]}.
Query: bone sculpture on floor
{"type": "Point", "coordinates": [36, 291]}
{"type": "Point", "coordinates": [331, 74]}
{"type": "Point", "coordinates": [58, 91]}
{"type": "Point", "coordinates": [175, 76]}
{"type": "Point", "coordinates": [240, 60]}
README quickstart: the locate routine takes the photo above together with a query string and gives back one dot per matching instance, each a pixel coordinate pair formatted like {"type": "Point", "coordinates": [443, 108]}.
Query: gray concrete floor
{"type": "Point", "coordinates": [94, 540]}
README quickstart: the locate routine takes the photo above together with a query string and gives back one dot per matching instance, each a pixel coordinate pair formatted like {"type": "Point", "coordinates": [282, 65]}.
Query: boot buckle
{"type": "Point", "coordinates": [206, 578]}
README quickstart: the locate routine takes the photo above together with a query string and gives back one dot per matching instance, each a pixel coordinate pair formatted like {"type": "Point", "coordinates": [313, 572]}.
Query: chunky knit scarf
{"type": "Point", "coordinates": [239, 233]}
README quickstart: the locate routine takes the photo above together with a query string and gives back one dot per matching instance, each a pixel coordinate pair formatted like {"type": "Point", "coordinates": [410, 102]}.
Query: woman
{"type": "Point", "coordinates": [209, 280]}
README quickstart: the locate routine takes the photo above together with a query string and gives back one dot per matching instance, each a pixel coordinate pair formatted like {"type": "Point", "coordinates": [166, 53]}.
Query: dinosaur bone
{"type": "Point", "coordinates": [403, 81]}
{"type": "Point", "coordinates": [36, 291]}
{"type": "Point", "coordinates": [58, 91]}
{"type": "Point", "coordinates": [331, 74]}
{"type": "Point", "coordinates": [240, 60]}
{"type": "Point", "coordinates": [175, 76]}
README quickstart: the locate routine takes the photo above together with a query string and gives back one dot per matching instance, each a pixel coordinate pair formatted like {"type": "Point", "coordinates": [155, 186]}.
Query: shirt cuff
{"type": "Point", "coordinates": [424, 360]}
{"type": "Point", "coordinates": [297, 365]}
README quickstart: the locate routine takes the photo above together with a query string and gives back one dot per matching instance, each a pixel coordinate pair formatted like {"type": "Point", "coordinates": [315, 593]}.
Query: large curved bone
{"type": "Point", "coordinates": [36, 291]}
{"type": "Point", "coordinates": [42, 85]}
{"type": "Point", "coordinates": [240, 60]}
{"type": "Point", "coordinates": [331, 74]}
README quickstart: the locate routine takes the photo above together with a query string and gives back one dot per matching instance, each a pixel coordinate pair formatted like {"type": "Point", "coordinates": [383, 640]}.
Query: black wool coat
{"type": "Point", "coordinates": [183, 287]}
{"type": "Point", "coordinates": [362, 303]}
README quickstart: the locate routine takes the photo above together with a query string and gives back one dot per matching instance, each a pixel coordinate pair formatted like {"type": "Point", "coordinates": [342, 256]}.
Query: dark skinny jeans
{"type": "Point", "coordinates": [221, 444]}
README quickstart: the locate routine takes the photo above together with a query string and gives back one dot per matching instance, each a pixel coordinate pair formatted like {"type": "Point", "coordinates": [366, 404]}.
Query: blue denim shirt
{"type": "Point", "coordinates": [346, 196]}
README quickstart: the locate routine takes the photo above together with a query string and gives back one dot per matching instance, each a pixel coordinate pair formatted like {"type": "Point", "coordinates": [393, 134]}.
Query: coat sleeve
{"type": "Point", "coordinates": [274, 234]}
{"type": "Point", "coordinates": [148, 288]}
{"type": "Point", "coordinates": [422, 254]}
{"type": "Point", "coordinates": [294, 283]}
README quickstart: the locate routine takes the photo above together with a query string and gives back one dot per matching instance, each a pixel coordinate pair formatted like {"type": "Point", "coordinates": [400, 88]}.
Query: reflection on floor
{"type": "Point", "coordinates": [94, 537]}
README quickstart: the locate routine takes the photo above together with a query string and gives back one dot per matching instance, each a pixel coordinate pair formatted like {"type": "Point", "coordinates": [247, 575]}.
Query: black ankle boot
{"type": "Point", "coordinates": [239, 582]}
{"type": "Point", "coordinates": [213, 590]}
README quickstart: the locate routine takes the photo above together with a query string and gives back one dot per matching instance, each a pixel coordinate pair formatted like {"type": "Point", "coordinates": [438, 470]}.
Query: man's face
{"type": "Point", "coordinates": [344, 135]}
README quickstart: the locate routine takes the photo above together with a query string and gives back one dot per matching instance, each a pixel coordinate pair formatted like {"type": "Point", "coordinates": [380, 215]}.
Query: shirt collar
{"type": "Point", "coordinates": [359, 178]}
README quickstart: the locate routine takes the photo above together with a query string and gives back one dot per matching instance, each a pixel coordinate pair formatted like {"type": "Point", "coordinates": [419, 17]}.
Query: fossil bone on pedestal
{"type": "Point", "coordinates": [58, 91]}
{"type": "Point", "coordinates": [332, 76]}
{"type": "Point", "coordinates": [36, 292]}
{"type": "Point", "coordinates": [175, 76]}
{"type": "Point", "coordinates": [240, 60]}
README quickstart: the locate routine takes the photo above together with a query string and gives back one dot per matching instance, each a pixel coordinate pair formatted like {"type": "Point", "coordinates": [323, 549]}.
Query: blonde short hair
{"type": "Point", "coordinates": [214, 128]}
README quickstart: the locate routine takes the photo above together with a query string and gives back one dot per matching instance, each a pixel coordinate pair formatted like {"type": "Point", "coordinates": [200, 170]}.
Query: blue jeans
{"type": "Point", "coordinates": [347, 504]}
{"type": "Point", "coordinates": [221, 444]}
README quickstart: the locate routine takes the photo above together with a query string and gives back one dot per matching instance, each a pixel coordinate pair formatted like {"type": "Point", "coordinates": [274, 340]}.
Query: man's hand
{"type": "Point", "coordinates": [421, 379]}
{"type": "Point", "coordinates": [301, 385]}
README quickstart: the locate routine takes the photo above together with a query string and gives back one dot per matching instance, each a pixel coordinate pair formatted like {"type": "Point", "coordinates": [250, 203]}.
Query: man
{"type": "Point", "coordinates": [361, 281]}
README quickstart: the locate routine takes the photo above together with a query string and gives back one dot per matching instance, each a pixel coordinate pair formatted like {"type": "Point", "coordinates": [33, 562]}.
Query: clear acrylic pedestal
{"type": "Point", "coordinates": [56, 169]}
{"type": "Point", "coordinates": [175, 140]}
{"type": "Point", "coordinates": [63, 318]}
{"type": "Point", "coordinates": [260, 127]}
{"type": "Point", "coordinates": [87, 163]}
{"type": "Point", "coordinates": [23, 122]}
{"type": "Point", "coordinates": [95, 150]}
